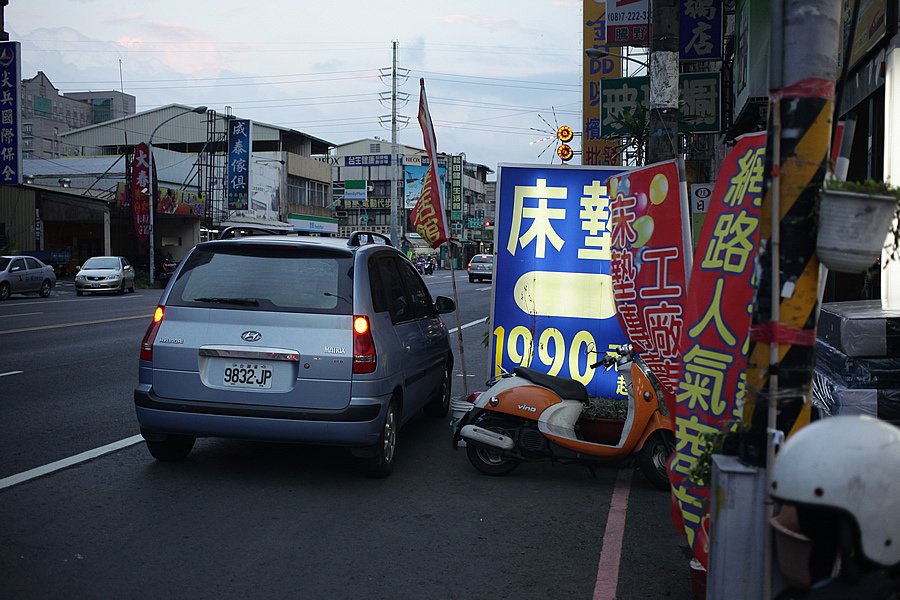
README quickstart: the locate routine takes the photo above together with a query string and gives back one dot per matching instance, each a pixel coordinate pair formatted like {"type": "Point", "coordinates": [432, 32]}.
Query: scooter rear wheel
{"type": "Point", "coordinates": [490, 461]}
{"type": "Point", "coordinates": [654, 456]}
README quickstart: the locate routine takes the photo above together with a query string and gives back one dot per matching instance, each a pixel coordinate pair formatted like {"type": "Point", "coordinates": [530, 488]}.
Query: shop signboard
{"type": "Point", "coordinates": [700, 26]}
{"type": "Point", "coordinates": [595, 150]}
{"type": "Point", "coordinates": [355, 190]}
{"type": "Point", "coordinates": [700, 110]}
{"type": "Point", "coordinates": [650, 260]}
{"type": "Point", "coordinates": [10, 114]}
{"type": "Point", "coordinates": [553, 308]}
{"type": "Point", "coordinates": [413, 176]}
{"type": "Point", "coordinates": [140, 192]}
{"type": "Point", "coordinates": [628, 22]}
{"type": "Point", "coordinates": [717, 320]}
{"type": "Point", "coordinates": [239, 155]}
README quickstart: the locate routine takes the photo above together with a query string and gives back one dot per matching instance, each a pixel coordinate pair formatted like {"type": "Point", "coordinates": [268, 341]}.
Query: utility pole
{"type": "Point", "coordinates": [663, 139]}
{"type": "Point", "coordinates": [395, 161]}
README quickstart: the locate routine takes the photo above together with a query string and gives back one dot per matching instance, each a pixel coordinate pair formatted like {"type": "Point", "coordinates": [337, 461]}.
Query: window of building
{"type": "Point", "coordinates": [374, 148]}
{"type": "Point", "coordinates": [380, 189]}
{"type": "Point", "coordinates": [27, 128]}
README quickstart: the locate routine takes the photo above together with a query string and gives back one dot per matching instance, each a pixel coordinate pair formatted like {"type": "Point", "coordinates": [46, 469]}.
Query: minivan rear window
{"type": "Point", "coordinates": [267, 278]}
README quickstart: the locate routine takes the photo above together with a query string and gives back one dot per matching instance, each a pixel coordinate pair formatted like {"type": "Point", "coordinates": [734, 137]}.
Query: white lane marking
{"type": "Point", "coordinates": [43, 327]}
{"type": "Point", "coordinates": [482, 289]}
{"type": "Point", "coordinates": [21, 314]}
{"type": "Point", "coordinates": [68, 462]}
{"type": "Point", "coordinates": [110, 297]}
{"type": "Point", "coordinates": [11, 373]}
{"type": "Point", "coordinates": [466, 326]}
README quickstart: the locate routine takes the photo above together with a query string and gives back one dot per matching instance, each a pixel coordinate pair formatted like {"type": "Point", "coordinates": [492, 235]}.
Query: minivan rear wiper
{"type": "Point", "coordinates": [238, 301]}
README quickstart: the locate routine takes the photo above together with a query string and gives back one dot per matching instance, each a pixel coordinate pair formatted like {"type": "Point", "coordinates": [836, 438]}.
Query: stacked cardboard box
{"type": "Point", "coordinates": [858, 360]}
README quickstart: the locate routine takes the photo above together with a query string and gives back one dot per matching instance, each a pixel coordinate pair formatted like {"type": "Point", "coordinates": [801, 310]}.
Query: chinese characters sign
{"type": "Point", "coordinates": [700, 26]}
{"type": "Point", "coordinates": [239, 151]}
{"type": "Point", "coordinates": [10, 114]}
{"type": "Point", "coordinates": [140, 192]}
{"type": "Point", "coordinates": [628, 22]}
{"type": "Point", "coordinates": [594, 149]}
{"type": "Point", "coordinates": [180, 202]}
{"type": "Point", "coordinates": [456, 167]}
{"type": "Point", "coordinates": [648, 265]}
{"type": "Point", "coordinates": [699, 113]}
{"type": "Point", "coordinates": [553, 307]}
{"type": "Point", "coordinates": [715, 338]}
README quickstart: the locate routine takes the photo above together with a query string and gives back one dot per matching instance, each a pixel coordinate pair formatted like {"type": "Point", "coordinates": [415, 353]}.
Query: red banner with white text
{"type": "Point", "coordinates": [140, 192]}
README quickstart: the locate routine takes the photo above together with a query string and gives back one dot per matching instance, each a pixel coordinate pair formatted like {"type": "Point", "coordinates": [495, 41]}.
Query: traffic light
{"type": "Point", "coordinates": [564, 134]}
{"type": "Point", "coordinates": [565, 152]}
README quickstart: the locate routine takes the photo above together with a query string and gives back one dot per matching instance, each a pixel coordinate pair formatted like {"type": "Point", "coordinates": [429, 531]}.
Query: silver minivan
{"type": "Point", "coordinates": [295, 339]}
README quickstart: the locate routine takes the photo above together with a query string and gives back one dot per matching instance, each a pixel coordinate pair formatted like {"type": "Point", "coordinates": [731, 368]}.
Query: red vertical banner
{"type": "Point", "coordinates": [715, 337]}
{"type": "Point", "coordinates": [427, 217]}
{"type": "Point", "coordinates": [649, 271]}
{"type": "Point", "coordinates": [140, 192]}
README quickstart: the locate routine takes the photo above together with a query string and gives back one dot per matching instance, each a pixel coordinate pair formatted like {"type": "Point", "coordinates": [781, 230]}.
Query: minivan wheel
{"type": "Point", "coordinates": [381, 465]}
{"type": "Point", "coordinates": [171, 447]}
{"type": "Point", "coordinates": [440, 406]}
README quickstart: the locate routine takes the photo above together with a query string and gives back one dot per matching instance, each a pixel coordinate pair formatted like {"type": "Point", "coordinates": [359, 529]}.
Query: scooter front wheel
{"type": "Point", "coordinates": [654, 456]}
{"type": "Point", "coordinates": [489, 461]}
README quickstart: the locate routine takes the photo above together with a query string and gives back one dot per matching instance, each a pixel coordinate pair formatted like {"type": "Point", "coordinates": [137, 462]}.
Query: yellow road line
{"type": "Point", "coordinates": [79, 324]}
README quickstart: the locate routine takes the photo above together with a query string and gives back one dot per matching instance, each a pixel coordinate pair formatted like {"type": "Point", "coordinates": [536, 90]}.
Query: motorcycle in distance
{"type": "Point", "coordinates": [529, 416]}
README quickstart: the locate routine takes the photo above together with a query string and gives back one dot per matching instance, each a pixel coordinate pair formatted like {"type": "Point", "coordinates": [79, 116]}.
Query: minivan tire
{"type": "Point", "coordinates": [440, 406]}
{"type": "Point", "coordinates": [171, 447]}
{"type": "Point", "coordinates": [381, 464]}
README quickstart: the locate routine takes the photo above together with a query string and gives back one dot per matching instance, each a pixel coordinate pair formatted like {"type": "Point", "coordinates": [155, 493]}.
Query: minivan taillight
{"type": "Point", "coordinates": [363, 346]}
{"type": "Point", "coordinates": [150, 336]}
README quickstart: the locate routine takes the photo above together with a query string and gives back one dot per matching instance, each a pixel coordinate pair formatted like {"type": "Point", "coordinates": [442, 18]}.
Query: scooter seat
{"type": "Point", "coordinates": [565, 388]}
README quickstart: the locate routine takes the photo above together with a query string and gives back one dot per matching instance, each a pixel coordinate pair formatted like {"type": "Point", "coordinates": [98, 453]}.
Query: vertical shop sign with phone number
{"type": "Point", "coordinates": [553, 308]}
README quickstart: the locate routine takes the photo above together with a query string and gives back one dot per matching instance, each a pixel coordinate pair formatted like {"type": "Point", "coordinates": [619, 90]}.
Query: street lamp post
{"type": "Point", "coordinates": [152, 266]}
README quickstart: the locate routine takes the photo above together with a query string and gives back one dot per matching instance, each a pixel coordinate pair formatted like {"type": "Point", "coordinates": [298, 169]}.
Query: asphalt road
{"type": "Point", "coordinates": [241, 519]}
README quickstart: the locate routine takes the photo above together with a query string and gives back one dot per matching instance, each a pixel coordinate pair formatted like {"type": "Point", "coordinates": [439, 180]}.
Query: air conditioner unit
{"type": "Point", "coordinates": [340, 213]}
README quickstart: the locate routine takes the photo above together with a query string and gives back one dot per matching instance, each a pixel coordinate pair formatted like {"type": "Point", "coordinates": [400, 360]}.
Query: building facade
{"type": "Point", "coordinates": [362, 172]}
{"type": "Point", "coordinates": [47, 115]}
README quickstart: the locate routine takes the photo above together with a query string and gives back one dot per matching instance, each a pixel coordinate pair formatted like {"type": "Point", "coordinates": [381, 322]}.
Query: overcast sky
{"type": "Point", "coordinates": [494, 70]}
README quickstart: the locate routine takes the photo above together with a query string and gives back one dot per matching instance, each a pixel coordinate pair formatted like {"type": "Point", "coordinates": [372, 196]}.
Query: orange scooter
{"type": "Point", "coordinates": [529, 416]}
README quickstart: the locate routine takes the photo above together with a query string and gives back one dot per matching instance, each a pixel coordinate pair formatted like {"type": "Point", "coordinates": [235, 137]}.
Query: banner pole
{"type": "Point", "coordinates": [459, 329]}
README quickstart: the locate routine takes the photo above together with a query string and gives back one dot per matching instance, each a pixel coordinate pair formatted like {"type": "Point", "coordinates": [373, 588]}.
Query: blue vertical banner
{"type": "Point", "coordinates": [553, 308]}
{"type": "Point", "coordinates": [10, 114]}
{"type": "Point", "coordinates": [700, 29]}
{"type": "Point", "coordinates": [239, 155]}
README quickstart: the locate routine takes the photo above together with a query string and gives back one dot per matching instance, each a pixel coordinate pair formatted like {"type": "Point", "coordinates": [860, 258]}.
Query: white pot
{"type": "Point", "coordinates": [852, 229]}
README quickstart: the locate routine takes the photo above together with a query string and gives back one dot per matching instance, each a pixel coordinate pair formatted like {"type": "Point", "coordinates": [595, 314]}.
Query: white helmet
{"type": "Point", "coordinates": [850, 463]}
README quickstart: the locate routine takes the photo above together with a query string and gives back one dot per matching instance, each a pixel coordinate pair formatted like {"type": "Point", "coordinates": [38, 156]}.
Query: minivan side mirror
{"type": "Point", "coordinates": [444, 305]}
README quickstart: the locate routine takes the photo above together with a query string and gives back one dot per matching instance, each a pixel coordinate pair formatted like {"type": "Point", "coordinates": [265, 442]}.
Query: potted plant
{"type": "Point", "coordinates": [854, 220]}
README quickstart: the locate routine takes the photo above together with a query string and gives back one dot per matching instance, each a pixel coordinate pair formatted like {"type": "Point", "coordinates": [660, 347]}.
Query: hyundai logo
{"type": "Point", "coordinates": [251, 336]}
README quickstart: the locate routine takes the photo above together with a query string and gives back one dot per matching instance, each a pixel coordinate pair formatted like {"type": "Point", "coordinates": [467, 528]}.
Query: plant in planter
{"type": "Point", "coordinates": [854, 220]}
